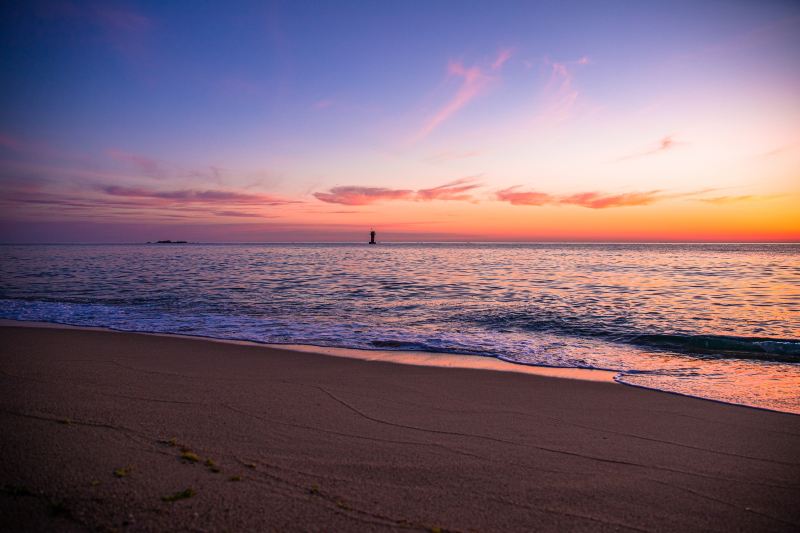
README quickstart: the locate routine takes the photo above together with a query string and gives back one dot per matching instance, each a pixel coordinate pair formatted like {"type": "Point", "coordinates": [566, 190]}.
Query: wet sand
{"type": "Point", "coordinates": [100, 428]}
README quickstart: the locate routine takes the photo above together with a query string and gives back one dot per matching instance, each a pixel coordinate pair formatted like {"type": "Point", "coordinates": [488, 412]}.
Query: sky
{"type": "Point", "coordinates": [425, 120]}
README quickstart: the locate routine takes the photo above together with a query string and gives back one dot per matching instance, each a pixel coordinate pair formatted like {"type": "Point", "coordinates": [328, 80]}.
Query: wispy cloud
{"type": "Point", "coordinates": [559, 95]}
{"type": "Point", "coordinates": [665, 144]}
{"type": "Point", "coordinates": [457, 190]}
{"type": "Point", "coordinates": [196, 196]}
{"type": "Point", "coordinates": [725, 200]}
{"type": "Point", "coordinates": [28, 197]}
{"type": "Point", "coordinates": [780, 150]}
{"type": "Point", "coordinates": [139, 198]}
{"type": "Point", "coordinates": [145, 165]}
{"type": "Point", "coordinates": [238, 214]}
{"type": "Point", "coordinates": [591, 200]}
{"type": "Point", "coordinates": [211, 173]}
{"type": "Point", "coordinates": [474, 80]}
{"type": "Point", "coordinates": [355, 195]}
{"type": "Point", "coordinates": [516, 197]}
{"type": "Point", "coordinates": [71, 206]}
{"type": "Point", "coordinates": [595, 200]}
{"type": "Point", "coordinates": [119, 167]}
{"type": "Point", "coordinates": [501, 58]}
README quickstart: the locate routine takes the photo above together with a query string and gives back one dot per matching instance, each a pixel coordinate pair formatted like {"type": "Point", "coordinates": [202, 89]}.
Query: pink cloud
{"type": "Point", "coordinates": [473, 82]}
{"type": "Point", "coordinates": [501, 58]}
{"type": "Point", "coordinates": [30, 195]}
{"type": "Point", "coordinates": [455, 190]}
{"type": "Point", "coordinates": [355, 195]}
{"type": "Point", "coordinates": [153, 168]}
{"type": "Point", "coordinates": [241, 214]}
{"type": "Point", "coordinates": [724, 200]}
{"type": "Point", "coordinates": [591, 200]}
{"type": "Point", "coordinates": [195, 196]}
{"type": "Point", "coordinates": [38, 204]}
{"type": "Point", "coordinates": [595, 200]}
{"type": "Point", "coordinates": [516, 197]}
{"type": "Point", "coordinates": [664, 144]}
{"type": "Point", "coordinates": [137, 199]}
{"type": "Point", "coordinates": [559, 95]}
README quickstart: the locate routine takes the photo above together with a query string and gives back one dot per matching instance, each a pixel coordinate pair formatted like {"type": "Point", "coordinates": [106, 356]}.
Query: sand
{"type": "Point", "coordinates": [95, 424]}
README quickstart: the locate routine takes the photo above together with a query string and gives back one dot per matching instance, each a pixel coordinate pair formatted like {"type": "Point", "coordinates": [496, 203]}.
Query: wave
{"type": "Point", "coordinates": [263, 329]}
{"type": "Point", "coordinates": [700, 344]}
{"type": "Point", "coordinates": [787, 350]}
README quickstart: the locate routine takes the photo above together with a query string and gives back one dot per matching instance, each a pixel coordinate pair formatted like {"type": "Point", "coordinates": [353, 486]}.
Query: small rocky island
{"type": "Point", "coordinates": [168, 242]}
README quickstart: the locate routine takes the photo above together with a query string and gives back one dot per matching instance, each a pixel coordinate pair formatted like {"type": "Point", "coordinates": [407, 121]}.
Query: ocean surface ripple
{"type": "Point", "coordinates": [718, 321]}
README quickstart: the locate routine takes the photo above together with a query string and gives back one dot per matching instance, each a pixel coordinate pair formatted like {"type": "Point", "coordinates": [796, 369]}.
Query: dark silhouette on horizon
{"type": "Point", "coordinates": [372, 237]}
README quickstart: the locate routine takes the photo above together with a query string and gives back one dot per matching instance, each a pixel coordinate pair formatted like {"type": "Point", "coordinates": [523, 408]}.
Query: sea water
{"type": "Point", "coordinates": [717, 321]}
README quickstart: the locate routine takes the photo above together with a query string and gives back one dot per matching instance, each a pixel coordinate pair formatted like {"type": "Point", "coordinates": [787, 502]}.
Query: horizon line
{"type": "Point", "coordinates": [133, 243]}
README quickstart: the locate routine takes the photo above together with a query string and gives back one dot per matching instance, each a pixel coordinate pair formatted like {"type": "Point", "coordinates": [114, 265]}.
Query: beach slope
{"type": "Point", "coordinates": [118, 431]}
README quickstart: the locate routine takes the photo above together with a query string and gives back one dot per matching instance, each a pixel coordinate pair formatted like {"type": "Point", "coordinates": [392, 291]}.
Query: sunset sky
{"type": "Point", "coordinates": [434, 121]}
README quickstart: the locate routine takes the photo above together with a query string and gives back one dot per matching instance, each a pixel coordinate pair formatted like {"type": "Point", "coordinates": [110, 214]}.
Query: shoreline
{"type": "Point", "coordinates": [402, 357]}
{"type": "Point", "coordinates": [408, 357]}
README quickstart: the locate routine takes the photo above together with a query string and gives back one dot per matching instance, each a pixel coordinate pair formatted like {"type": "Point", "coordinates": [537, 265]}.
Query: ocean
{"type": "Point", "coordinates": [716, 321]}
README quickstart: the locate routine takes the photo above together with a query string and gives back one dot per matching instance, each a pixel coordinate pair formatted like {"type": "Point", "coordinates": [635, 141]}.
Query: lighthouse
{"type": "Point", "coordinates": [372, 237]}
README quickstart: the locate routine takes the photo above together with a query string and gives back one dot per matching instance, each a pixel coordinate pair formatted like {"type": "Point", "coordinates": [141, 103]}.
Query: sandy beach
{"type": "Point", "coordinates": [129, 432]}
